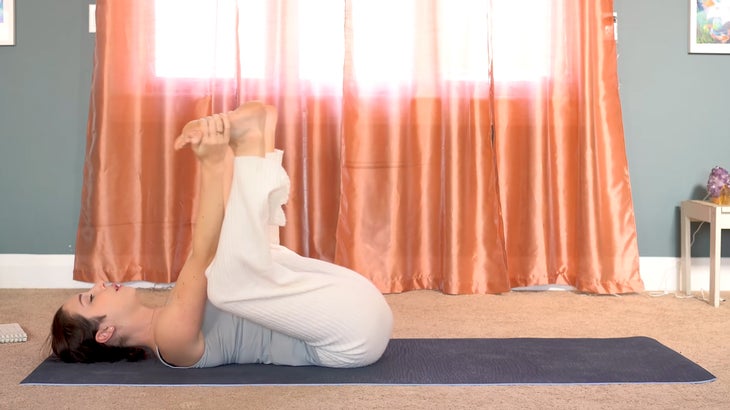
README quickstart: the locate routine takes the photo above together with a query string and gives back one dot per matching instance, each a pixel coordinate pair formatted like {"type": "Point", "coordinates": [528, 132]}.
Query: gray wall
{"type": "Point", "coordinates": [675, 119]}
{"type": "Point", "coordinates": [674, 105]}
{"type": "Point", "coordinates": [44, 101]}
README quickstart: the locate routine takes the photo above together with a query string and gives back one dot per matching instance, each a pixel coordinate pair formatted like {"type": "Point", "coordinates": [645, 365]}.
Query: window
{"type": "Point", "coordinates": [192, 41]}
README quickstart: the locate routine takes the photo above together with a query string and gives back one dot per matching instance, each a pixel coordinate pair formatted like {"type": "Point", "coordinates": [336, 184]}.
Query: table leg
{"type": "Point", "coordinates": [684, 282]}
{"type": "Point", "coordinates": [715, 253]}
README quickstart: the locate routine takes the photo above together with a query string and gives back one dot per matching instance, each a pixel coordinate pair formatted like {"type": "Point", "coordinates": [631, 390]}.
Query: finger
{"type": "Point", "coordinates": [219, 126]}
{"type": "Point", "coordinates": [192, 138]}
{"type": "Point", "coordinates": [211, 126]}
{"type": "Point", "coordinates": [180, 142]}
{"type": "Point", "coordinates": [226, 126]}
{"type": "Point", "coordinates": [214, 134]}
{"type": "Point", "coordinates": [185, 139]}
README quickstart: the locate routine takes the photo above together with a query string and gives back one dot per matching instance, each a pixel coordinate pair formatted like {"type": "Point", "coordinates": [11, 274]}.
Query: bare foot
{"type": "Point", "coordinates": [248, 129]}
{"type": "Point", "coordinates": [253, 127]}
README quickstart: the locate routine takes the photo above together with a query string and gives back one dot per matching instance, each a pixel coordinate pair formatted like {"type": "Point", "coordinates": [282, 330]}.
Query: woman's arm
{"type": "Point", "coordinates": [177, 327]}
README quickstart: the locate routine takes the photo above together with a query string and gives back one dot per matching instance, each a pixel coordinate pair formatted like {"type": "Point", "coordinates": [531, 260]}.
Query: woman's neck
{"type": "Point", "coordinates": [139, 329]}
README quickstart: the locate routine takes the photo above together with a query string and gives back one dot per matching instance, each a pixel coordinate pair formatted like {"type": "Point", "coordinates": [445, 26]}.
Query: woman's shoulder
{"type": "Point", "coordinates": [178, 340]}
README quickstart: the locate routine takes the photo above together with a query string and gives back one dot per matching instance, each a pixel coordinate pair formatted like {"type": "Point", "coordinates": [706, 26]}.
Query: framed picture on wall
{"type": "Point", "coordinates": [709, 26]}
{"type": "Point", "coordinates": [7, 22]}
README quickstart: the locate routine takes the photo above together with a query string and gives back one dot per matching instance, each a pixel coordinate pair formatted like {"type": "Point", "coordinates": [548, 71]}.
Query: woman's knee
{"type": "Point", "coordinates": [369, 342]}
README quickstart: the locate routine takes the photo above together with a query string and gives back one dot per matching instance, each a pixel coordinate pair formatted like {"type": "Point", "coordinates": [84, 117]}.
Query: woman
{"type": "Point", "coordinates": [238, 298]}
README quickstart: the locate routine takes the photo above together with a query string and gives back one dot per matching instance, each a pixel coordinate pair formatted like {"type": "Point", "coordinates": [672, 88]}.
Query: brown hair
{"type": "Point", "coordinates": [73, 340]}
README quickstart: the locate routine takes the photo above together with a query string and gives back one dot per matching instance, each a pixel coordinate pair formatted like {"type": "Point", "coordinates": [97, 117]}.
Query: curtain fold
{"type": "Point", "coordinates": [562, 164]}
{"type": "Point", "coordinates": [414, 160]}
{"type": "Point", "coordinates": [137, 195]}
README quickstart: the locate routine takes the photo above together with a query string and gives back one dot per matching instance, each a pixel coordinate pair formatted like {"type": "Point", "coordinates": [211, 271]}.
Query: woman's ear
{"type": "Point", "coordinates": [104, 334]}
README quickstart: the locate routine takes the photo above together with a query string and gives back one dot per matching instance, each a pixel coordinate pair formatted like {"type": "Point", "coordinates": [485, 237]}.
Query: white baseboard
{"type": "Point", "coordinates": [24, 271]}
{"type": "Point", "coordinates": [661, 273]}
{"type": "Point", "coordinates": [18, 271]}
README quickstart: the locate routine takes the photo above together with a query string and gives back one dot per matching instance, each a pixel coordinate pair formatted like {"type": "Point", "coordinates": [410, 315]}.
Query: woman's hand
{"type": "Point", "coordinates": [208, 138]}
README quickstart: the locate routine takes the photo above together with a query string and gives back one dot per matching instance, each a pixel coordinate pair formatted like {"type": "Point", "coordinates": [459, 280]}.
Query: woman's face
{"type": "Point", "coordinates": [111, 300]}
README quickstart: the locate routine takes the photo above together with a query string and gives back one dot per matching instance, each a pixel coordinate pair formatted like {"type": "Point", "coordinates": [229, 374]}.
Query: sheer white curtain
{"type": "Point", "coordinates": [384, 29]}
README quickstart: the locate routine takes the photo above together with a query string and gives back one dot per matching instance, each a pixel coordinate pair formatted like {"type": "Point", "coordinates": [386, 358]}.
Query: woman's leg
{"type": "Point", "coordinates": [340, 315]}
{"type": "Point", "coordinates": [276, 156]}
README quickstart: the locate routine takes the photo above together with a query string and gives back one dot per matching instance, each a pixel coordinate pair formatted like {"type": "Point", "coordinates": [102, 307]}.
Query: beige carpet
{"type": "Point", "coordinates": [689, 326]}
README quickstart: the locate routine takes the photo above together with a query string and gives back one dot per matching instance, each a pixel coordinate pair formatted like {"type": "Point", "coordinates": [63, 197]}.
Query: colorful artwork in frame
{"type": "Point", "coordinates": [7, 22]}
{"type": "Point", "coordinates": [709, 26]}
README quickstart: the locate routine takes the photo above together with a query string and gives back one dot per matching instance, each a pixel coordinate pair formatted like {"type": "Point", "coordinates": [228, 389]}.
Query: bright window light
{"type": "Point", "coordinates": [194, 41]}
{"type": "Point", "coordinates": [521, 39]}
{"type": "Point", "coordinates": [252, 37]}
{"type": "Point", "coordinates": [321, 40]}
{"type": "Point", "coordinates": [383, 41]}
{"type": "Point", "coordinates": [463, 39]}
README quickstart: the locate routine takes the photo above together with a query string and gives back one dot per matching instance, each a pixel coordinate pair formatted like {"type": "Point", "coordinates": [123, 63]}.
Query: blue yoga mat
{"type": "Point", "coordinates": [514, 361]}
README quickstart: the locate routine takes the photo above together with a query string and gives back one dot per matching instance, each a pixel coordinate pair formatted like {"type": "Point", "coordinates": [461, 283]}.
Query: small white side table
{"type": "Point", "coordinates": [719, 218]}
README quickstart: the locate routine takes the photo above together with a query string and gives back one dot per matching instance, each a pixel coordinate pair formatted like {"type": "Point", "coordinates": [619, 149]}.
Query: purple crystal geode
{"type": "Point", "coordinates": [719, 179]}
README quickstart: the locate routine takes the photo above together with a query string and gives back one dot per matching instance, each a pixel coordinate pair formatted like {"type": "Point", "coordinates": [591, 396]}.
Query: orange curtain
{"type": "Point", "coordinates": [562, 167]}
{"type": "Point", "coordinates": [406, 166]}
